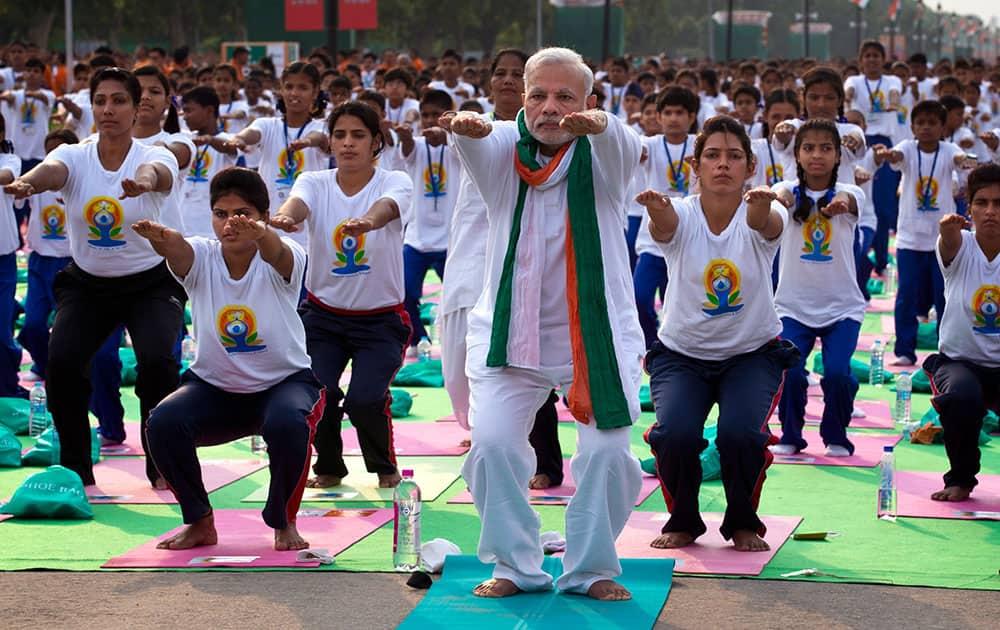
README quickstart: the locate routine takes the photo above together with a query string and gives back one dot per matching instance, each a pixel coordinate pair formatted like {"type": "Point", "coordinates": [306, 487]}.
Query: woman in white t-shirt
{"type": "Point", "coordinates": [965, 374]}
{"type": "Point", "coordinates": [354, 289]}
{"type": "Point", "coordinates": [818, 294]}
{"type": "Point", "coordinates": [718, 343]}
{"type": "Point", "coordinates": [10, 354]}
{"type": "Point", "coordinates": [252, 373]}
{"type": "Point", "coordinates": [116, 278]}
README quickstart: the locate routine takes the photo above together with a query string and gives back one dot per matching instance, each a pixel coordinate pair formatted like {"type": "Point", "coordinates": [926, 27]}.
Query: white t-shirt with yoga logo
{"type": "Point", "coordinates": [817, 279]}
{"type": "Point", "coordinates": [970, 326]}
{"type": "Point", "coordinates": [669, 175]}
{"type": "Point", "coordinates": [436, 173]}
{"type": "Point", "coordinates": [871, 98]}
{"type": "Point", "coordinates": [250, 336]}
{"type": "Point", "coordinates": [30, 123]}
{"type": "Point", "coordinates": [234, 125]}
{"type": "Point", "coordinates": [8, 225]}
{"type": "Point", "coordinates": [47, 226]}
{"type": "Point", "coordinates": [718, 303]}
{"type": "Point", "coordinates": [196, 208]}
{"type": "Point", "coordinates": [354, 273]}
{"type": "Point", "coordinates": [927, 193]}
{"type": "Point", "coordinates": [98, 222]}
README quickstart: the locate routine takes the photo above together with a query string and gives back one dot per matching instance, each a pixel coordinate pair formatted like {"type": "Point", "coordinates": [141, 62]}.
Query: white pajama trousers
{"type": "Point", "coordinates": [451, 330]}
{"type": "Point", "coordinates": [503, 404]}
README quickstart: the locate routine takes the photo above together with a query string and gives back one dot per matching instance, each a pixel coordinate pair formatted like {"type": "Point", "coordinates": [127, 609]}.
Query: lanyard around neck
{"type": "Point", "coordinates": [679, 171]}
{"type": "Point", "coordinates": [871, 97]}
{"type": "Point", "coordinates": [926, 196]}
{"type": "Point", "coordinates": [301, 129]}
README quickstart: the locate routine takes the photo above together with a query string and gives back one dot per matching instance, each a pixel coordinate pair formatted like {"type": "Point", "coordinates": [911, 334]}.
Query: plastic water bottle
{"type": "Point", "coordinates": [887, 485]}
{"type": "Point", "coordinates": [877, 375]}
{"type": "Point", "coordinates": [38, 419]}
{"type": "Point", "coordinates": [189, 349]}
{"type": "Point", "coordinates": [904, 387]}
{"type": "Point", "coordinates": [890, 280]}
{"type": "Point", "coordinates": [406, 525]}
{"type": "Point", "coordinates": [424, 349]}
{"type": "Point", "coordinates": [257, 445]}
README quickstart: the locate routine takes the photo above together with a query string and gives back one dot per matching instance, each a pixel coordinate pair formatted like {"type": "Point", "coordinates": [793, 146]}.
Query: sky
{"type": "Point", "coordinates": [985, 9]}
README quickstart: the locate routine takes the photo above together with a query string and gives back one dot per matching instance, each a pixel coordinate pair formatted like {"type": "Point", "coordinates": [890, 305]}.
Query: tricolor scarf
{"type": "Point", "coordinates": [597, 388]}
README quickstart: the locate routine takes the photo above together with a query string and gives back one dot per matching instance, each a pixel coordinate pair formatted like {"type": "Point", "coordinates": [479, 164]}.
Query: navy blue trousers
{"type": "Point", "coordinates": [884, 185]}
{"type": "Point", "coordinates": [918, 274]}
{"type": "Point", "coordinates": [415, 266]}
{"type": "Point", "coordinates": [10, 352]}
{"type": "Point", "coordinates": [649, 279]}
{"type": "Point", "coordinates": [632, 233]}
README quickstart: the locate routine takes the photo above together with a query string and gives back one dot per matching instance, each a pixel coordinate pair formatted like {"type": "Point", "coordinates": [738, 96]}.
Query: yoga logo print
{"type": "Point", "coordinates": [104, 222]}
{"type": "Point", "coordinates": [350, 253]}
{"type": "Point", "coordinates": [28, 112]}
{"type": "Point", "coordinates": [290, 165]}
{"type": "Point", "coordinates": [53, 223]}
{"type": "Point", "coordinates": [774, 174]}
{"type": "Point", "coordinates": [878, 102]}
{"type": "Point", "coordinates": [678, 175]}
{"type": "Point", "coordinates": [722, 288]}
{"type": "Point", "coordinates": [927, 190]}
{"type": "Point", "coordinates": [986, 306]}
{"type": "Point", "coordinates": [238, 330]}
{"type": "Point", "coordinates": [199, 167]}
{"type": "Point", "coordinates": [435, 179]}
{"type": "Point", "coordinates": [817, 232]}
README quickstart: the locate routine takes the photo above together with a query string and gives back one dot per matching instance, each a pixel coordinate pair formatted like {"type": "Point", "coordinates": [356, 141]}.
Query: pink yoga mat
{"type": "Point", "coordinates": [416, 438]}
{"type": "Point", "coordinates": [121, 480]}
{"type": "Point", "coordinates": [245, 541]}
{"type": "Point", "coordinates": [881, 305]}
{"type": "Point", "coordinates": [865, 340]}
{"type": "Point", "coordinates": [710, 553]}
{"type": "Point", "coordinates": [879, 416]}
{"type": "Point", "coordinates": [888, 325]}
{"type": "Point", "coordinates": [131, 446]}
{"type": "Point", "coordinates": [432, 288]}
{"type": "Point", "coordinates": [4, 517]}
{"type": "Point", "coordinates": [867, 451]}
{"type": "Point", "coordinates": [560, 495]}
{"type": "Point", "coordinates": [914, 491]}
{"type": "Point", "coordinates": [896, 369]}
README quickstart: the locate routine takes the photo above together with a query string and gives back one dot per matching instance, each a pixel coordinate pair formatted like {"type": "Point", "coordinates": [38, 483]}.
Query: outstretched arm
{"type": "Point", "coordinates": [272, 250]}
{"type": "Point", "coordinates": [663, 219]}
{"type": "Point", "coordinates": [167, 243]}
{"type": "Point", "coordinates": [49, 175]}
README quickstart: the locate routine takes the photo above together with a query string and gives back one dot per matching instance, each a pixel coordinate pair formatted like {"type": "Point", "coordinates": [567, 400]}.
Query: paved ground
{"type": "Point", "coordinates": [363, 601]}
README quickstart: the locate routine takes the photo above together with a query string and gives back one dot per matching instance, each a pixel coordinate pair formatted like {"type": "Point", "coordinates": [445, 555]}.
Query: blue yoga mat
{"type": "Point", "coordinates": [450, 603]}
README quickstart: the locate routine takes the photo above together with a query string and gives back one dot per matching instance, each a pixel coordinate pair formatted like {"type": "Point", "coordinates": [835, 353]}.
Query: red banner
{"type": "Point", "coordinates": [310, 15]}
{"type": "Point", "coordinates": [304, 15]}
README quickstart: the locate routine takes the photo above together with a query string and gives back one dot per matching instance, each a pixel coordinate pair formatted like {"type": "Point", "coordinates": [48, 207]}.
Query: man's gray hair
{"type": "Point", "coordinates": [560, 56]}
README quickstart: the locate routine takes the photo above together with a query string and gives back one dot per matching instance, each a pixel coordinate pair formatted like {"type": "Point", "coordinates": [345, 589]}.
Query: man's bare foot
{"type": "Point", "coordinates": [198, 534]}
{"type": "Point", "coordinates": [672, 540]}
{"type": "Point", "coordinates": [495, 588]}
{"type": "Point", "coordinates": [389, 481]}
{"type": "Point", "coordinates": [747, 540]}
{"type": "Point", "coordinates": [540, 482]}
{"type": "Point", "coordinates": [952, 493]}
{"type": "Point", "coordinates": [289, 539]}
{"type": "Point", "coordinates": [160, 484]}
{"type": "Point", "coordinates": [466, 443]}
{"type": "Point", "coordinates": [324, 481]}
{"type": "Point", "coordinates": [608, 591]}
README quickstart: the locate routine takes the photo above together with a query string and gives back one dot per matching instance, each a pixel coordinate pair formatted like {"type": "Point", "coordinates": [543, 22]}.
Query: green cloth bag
{"type": "Point", "coordinates": [22, 276]}
{"type": "Point", "coordinates": [711, 468]}
{"type": "Point", "coordinates": [10, 449]}
{"type": "Point", "coordinates": [56, 493]}
{"type": "Point", "coordinates": [15, 414]}
{"type": "Point", "coordinates": [427, 313]}
{"type": "Point", "coordinates": [402, 402]}
{"type": "Point", "coordinates": [991, 423]}
{"type": "Point", "coordinates": [645, 398]}
{"type": "Point", "coordinates": [420, 374]}
{"type": "Point", "coordinates": [927, 338]}
{"type": "Point", "coordinates": [875, 286]}
{"type": "Point", "coordinates": [46, 449]}
{"type": "Point", "coordinates": [187, 316]}
{"type": "Point", "coordinates": [921, 383]}
{"type": "Point", "coordinates": [860, 369]}
{"type": "Point", "coordinates": [127, 357]}
{"type": "Point", "coordinates": [990, 419]}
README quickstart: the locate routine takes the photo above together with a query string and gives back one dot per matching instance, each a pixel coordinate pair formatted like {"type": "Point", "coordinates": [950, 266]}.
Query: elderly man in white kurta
{"type": "Point", "coordinates": [557, 309]}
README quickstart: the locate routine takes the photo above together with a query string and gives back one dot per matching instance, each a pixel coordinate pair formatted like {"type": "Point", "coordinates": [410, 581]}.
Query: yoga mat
{"type": "Point", "coordinates": [896, 369]}
{"type": "Point", "coordinates": [562, 413]}
{"type": "Point", "coordinates": [245, 541]}
{"type": "Point", "coordinates": [435, 354]}
{"type": "Point", "coordinates": [432, 474]}
{"type": "Point", "coordinates": [881, 305]}
{"type": "Point", "coordinates": [561, 494]}
{"type": "Point", "coordinates": [913, 497]}
{"type": "Point", "coordinates": [865, 340]}
{"type": "Point", "coordinates": [450, 603]}
{"type": "Point", "coordinates": [132, 445]}
{"type": "Point", "coordinates": [888, 325]}
{"type": "Point", "coordinates": [4, 517]}
{"type": "Point", "coordinates": [879, 415]}
{"type": "Point", "coordinates": [710, 553]}
{"type": "Point", "coordinates": [416, 439]}
{"type": "Point", "coordinates": [121, 480]}
{"type": "Point", "coordinates": [867, 451]}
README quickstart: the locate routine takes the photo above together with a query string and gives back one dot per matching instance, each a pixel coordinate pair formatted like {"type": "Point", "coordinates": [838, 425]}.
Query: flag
{"type": "Point", "coordinates": [862, 4]}
{"type": "Point", "coordinates": [893, 9]}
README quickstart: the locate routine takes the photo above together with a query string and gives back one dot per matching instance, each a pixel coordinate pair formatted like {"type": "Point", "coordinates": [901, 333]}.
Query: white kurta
{"type": "Point", "coordinates": [504, 400]}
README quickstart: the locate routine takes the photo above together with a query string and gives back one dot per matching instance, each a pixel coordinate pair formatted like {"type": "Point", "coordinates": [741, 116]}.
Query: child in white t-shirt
{"type": "Point", "coordinates": [10, 355]}
{"type": "Point", "coordinates": [212, 155]}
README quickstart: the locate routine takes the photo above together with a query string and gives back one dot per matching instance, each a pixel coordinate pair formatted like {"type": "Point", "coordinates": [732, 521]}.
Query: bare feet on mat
{"type": "Point", "coordinates": [495, 588]}
{"type": "Point", "coordinates": [466, 443]}
{"type": "Point", "coordinates": [289, 539]}
{"type": "Point", "coordinates": [672, 540]}
{"type": "Point", "coordinates": [747, 540]}
{"type": "Point", "coordinates": [160, 484]}
{"type": "Point", "coordinates": [608, 591]}
{"type": "Point", "coordinates": [952, 493]}
{"type": "Point", "coordinates": [324, 481]}
{"type": "Point", "coordinates": [540, 482]}
{"type": "Point", "coordinates": [198, 534]}
{"type": "Point", "coordinates": [389, 481]}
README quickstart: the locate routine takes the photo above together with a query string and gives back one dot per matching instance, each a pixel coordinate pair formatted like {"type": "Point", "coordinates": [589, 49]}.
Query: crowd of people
{"type": "Point", "coordinates": [298, 213]}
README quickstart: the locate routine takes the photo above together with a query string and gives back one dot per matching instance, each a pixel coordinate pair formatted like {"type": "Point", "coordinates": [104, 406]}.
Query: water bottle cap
{"type": "Point", "coordinates": [886, 449]}
{"type": "Point", "coordinates": [406, 472]}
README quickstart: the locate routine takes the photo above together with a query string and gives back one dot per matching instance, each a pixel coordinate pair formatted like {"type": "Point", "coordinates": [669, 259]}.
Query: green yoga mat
{"type": "Point", "coordinates": [450, 602]}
